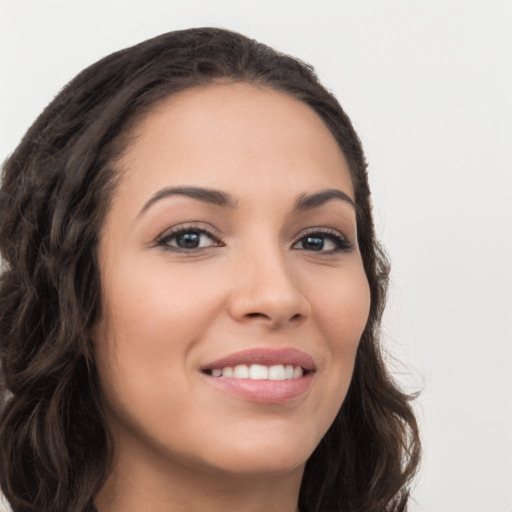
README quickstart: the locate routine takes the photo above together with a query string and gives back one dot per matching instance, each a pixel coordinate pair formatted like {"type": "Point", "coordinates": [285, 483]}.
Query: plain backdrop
{"type": "Point", "coordinates": [428, 85]}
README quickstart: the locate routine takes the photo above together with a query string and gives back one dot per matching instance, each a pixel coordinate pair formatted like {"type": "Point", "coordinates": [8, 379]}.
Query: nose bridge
{"type": "Point", "coordinates": [267, 288]}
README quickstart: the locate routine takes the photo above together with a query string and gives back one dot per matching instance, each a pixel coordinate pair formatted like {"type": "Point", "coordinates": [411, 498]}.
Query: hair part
{"type": "Point", "coordinates": [55, 450]}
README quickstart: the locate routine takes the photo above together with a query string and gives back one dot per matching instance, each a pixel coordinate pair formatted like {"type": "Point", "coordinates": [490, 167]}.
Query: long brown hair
{"type": "Point", "coordinates": [55, 450]}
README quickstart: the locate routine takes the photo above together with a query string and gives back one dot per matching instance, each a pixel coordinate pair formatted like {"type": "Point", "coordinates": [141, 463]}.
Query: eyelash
{"type": "Point", "coordinates": [164, 239]}
{"type": "Point", "coordinates": [340, 242]}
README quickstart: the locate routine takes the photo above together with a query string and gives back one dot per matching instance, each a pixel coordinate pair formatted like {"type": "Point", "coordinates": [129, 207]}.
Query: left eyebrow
{"type": "Point", "coordinates": [207, 195]}
{"type": "Point", "coordinates": [310, 201]}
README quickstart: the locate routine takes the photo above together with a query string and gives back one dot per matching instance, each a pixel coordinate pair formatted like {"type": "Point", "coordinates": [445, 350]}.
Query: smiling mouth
{"type": "Point", "coordinates": [259, 372]}
{"type": "Point", "coordinates": [262, 375]}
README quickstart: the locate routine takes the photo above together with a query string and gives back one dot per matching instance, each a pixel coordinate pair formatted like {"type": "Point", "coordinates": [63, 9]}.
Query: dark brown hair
{"type": "Point", "coordinates": [55, 450]}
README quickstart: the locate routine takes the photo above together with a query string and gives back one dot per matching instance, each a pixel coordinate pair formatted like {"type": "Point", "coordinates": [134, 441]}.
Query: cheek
{"type": "Point", "coordinates": [152, 320]}
{"type": "Point", "coordinates": [154, 306]}
{"type": "Point", "coordinates": [343, 310]}
{"type": "Point", "coordinates": [342, 314]}
{"type": "Point", "coordinates": [151, 325]}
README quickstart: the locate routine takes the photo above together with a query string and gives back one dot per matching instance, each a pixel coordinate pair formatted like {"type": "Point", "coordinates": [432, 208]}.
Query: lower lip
{"type": "Point", "coordinates": [264, 391]}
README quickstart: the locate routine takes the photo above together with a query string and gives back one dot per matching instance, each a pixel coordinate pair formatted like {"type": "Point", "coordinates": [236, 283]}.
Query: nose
{"type": "Point", "coordinates": [266, 292]}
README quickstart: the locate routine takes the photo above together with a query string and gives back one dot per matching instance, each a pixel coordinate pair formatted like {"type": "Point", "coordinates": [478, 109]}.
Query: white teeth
{"type": "Point", "coordinates": [260, 372]}
{"type": "Point", "coordinates": [276, 372]}
{"type": "Point", "coordinates": [241, 372]}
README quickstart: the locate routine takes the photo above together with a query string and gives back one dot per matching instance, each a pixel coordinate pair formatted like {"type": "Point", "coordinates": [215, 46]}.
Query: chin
{"type": "Point", "coordinates": [263, 453]}
{"type": "Point", "coordinates": [262, 463]}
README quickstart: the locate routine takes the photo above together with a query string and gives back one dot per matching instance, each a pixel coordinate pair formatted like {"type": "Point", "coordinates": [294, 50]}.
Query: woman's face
{"type": "Point", "coordinates": [234, 295]}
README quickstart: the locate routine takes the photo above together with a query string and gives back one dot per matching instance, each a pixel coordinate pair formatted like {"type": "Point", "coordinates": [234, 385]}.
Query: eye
{"type": "Point", "coordinates": [323, 241]}
{"type": "Point", "coordinates": [188, 239]}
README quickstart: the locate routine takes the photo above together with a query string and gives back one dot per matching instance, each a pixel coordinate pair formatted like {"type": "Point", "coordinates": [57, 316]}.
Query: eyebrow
{"type": "Point", "coordinates": [206, 195]}
{"type": "Point", "coordinates": [310, 201]}
{"type": "Point", "coordinates": [216, 197]}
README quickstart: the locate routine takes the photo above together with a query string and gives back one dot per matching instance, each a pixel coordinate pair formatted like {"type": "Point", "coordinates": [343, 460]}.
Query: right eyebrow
{"type": "Point", "coordinates": [207, 195]}
{"type": "Point", "coordinates": [310, 201]}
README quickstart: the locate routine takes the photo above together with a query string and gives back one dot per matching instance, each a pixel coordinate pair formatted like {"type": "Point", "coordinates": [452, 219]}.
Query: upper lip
{"type": "Point", "coordinates": [266, 357]}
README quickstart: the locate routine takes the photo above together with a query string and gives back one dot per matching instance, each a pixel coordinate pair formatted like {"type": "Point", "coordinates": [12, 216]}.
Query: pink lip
{"type": "Point", "coordinates": [265, 357]}
{"type": "Point", "coordinates": [264, 391]}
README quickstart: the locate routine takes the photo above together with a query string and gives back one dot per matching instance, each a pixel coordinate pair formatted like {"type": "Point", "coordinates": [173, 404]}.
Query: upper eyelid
{"type": "Point", "coordinates": [322, 230]}
{"type": "Point", "coordinates": [190, 226]}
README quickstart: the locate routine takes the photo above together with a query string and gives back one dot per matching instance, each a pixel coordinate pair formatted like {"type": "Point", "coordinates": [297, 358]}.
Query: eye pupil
{"type": "Point", "coordinates": [313, 243]}
{"type": "Point", "coordinates": [189, 240]}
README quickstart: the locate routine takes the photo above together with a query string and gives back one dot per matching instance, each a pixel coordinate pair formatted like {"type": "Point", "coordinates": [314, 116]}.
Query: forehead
{"type": "Point", "coordinates": [236, 136]}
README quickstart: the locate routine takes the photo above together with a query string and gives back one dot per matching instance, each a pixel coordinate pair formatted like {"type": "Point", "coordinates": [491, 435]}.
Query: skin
{"type": "Point", "coordinates": [182, 443]}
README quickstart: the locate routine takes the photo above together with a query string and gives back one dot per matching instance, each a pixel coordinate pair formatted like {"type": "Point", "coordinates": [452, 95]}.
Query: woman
{"type": "Point", "coordinates": [192, 291]}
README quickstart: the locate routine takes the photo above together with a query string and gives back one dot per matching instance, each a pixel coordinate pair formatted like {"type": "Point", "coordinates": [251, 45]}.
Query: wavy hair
{"type": "Point", "coordinates": [55, 449]}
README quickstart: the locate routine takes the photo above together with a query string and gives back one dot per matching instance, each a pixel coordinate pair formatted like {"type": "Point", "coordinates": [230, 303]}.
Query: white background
{"type": "Point", "coordinates": [428, 85]}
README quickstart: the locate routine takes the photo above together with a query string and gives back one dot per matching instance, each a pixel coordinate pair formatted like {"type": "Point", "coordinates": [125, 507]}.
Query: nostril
{"type": "Point", "coordinates": [295, 318]}
{"type": "Point", "coordinates": [256, 315]}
